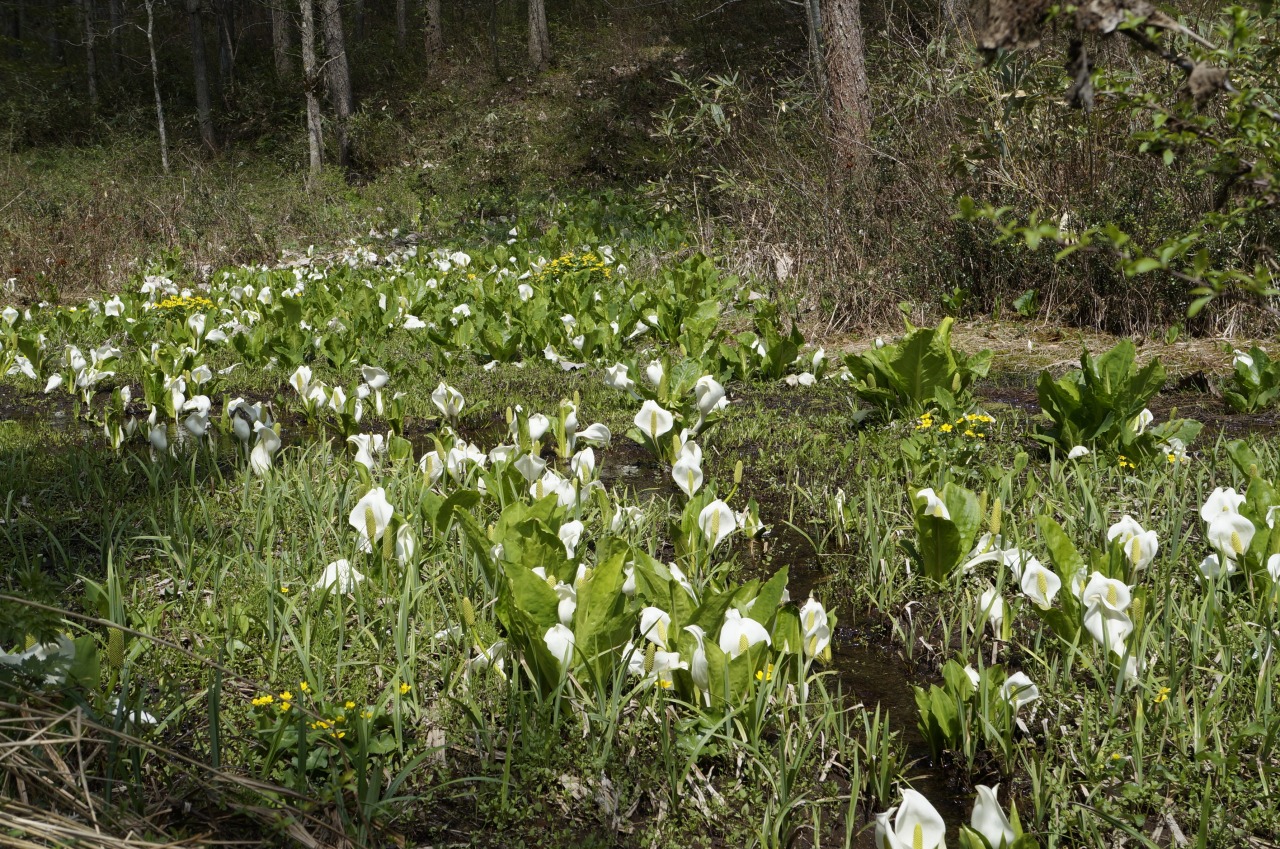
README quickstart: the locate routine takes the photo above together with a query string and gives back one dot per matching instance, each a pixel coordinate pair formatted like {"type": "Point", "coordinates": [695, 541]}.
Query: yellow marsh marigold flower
{"type": "Point", "coordinates": [404, 688]}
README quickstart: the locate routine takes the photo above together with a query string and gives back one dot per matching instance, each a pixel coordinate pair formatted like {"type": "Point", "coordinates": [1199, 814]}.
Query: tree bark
{"type": "Point", "coordinates": [115, 14]}
{"type": "Point", "coordinates": [224, 15]}
{"type": "Point", "coordinates": [90, 55]}
{"type": "Point", "coordinates": [281, 39]}
{"type": "Point", "coordinates": [311, 88]}
{"type": "Point", "coordinates": [338, 75]}
{"type": "Point", "coordinates": [433, 33]}
{"type": "Point", "coordinates": [539, 38]}
{"type": "Point", "coordinates": [155, 84]}
{"type": "Point", "coordinates": [200, 74]}
{"type": "Point", "coordinates": [813, 19]}
{"type": "Point", "coordinates": [847, 81]}
{"type": "Point", "coordinates": [956, 13]}
{"type": "Point", "coordinates": [54, 38]}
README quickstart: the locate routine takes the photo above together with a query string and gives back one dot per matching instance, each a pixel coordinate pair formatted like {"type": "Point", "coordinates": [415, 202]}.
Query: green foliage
{"type": "Point", "coordinates": [1102, 405]}
{"type": "Point", "coordinates": [1220, 134]}
{"type": "Point", "coordinates": [1255, 382]}
{"type": "Point", "coordinates": [946, 526]}
{"type": "Point", "coordinates": [905, 378]}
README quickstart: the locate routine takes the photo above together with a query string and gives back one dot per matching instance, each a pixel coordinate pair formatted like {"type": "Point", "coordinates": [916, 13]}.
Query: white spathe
{"type": "Point", "coordinates": [738, 633]}
{"type": "Point", "coordinates": [339, 575]}
{"type": "Point", "coordinates": [815, 627]}
{"type": "Point", "coordinates": [1040, 584]}
{"type": "Point", "coordinates": [1230, 535]}
{"type": "Point", "coordinates": [1220, 502]}
{"type": "Point", "coordinates": [933, 505]}
{"type": "Point", "coordinates": [915, 824]}
{"type": "Point", "coordinates": [372, 512]}
{"type": "Point", "coordinates": [989, 818]}
{"type": "Point", "coordinates": [717, 521]}
{"type": "Point", "coordinates": [1019, 691]}
{"type": "Point", "coordinates": [653, 421]}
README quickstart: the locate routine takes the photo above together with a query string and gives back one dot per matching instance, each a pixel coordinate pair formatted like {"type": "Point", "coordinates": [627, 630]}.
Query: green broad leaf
{"type": "Point", "coordinates": [1243, 458]}
{"type": "Point", "coordinates": [937, 546]}
{"type": "Point", "coordinates": [787, 635]}
{"type": "Point", "coordinates": [528, 595]}
{"type": "Point", "coordinates": [439, 512]}
{"type": "Point", "coordinates": [1064, 627]}
{"type": "Point", "coordinates": [601, 625]}
{"type": "Point", "coordinates": [962, 504]}
{"type": "Point", "coordinates": [1062, 551]}
{"type": "Point", "coordinates": [766, 603]}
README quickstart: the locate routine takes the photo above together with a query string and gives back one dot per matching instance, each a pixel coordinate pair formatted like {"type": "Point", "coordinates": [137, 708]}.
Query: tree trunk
{"type": "Point", "coordinates": [56, 53]}
{"type": "Point", "coordinates": [90, 56]}
{"type": "Point", "coordinates": [155, 84]}
{"type": "Point", "coordinates": [433, 33]}
{"type": "Point", "coordinates": [357, 15]}
{"type": "Point", "coordinates": [539, 39]}
{"type": "Point", "coordinates": [200, 62]}
{"type": "Point", "coordinates": [955, 13]}
{"type": "Point", "coordinates": [338, 74]}
{"type": "Point", "coordinates": [224, 14]}
{"type": "Point", "coordinates": [847, 81]}
{"type": "Point", "coordinates": [311, 88]}
{"type": "Point", "coordinates": [493, 37]}
{"type": "Point", "coordinates": [402, 23]}
{"type": "Point", "coordinates": [813, 17]}
{"type": "Point", "coordinates": [281, 39]}
{"type": "Point", "coordinates": [115, 14]}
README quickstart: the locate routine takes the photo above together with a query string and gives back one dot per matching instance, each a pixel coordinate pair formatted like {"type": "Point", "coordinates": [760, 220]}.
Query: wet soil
{"type": "Point", "coordinates": [866, 666]}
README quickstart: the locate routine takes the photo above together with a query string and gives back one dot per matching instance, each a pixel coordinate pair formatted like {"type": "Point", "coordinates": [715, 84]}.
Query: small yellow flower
{"type": "Point", "coordinates": [349, 705]}
{"type": "Point", "coordinates": [1162, 695]}
{"type": "Point", "coordinates": [946, 428]}
{"type": "Point", "coordinates": [404, 688]}
{"type": "Point", "coordinates": [284, 706]}
{"type": "Point", "coordinates": [765, 674]}
{"type": "Point", "coordinates": [304, 687]}
{"type": "Point", "coordinates": [284, 589]}
{"type": "Point", "coordinates": [1116, 756]}
{"type": "Point", "coordinates": [368, 714]}
{"type": "Point", "coordinates": [286, 696]}
{"type": "Point", "coordinates": [340, 734]}
{"type": "Point", "coordinates": [969, 433]}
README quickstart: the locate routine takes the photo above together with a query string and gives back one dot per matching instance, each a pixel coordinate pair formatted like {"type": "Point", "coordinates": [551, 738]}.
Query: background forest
{"type": "Point", "coordinates": [129, 129]}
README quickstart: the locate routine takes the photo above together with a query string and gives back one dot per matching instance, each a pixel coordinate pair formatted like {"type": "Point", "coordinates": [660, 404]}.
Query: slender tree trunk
{"type": "Point", "coordinates": [847, 80]}
{"type": "Point", "coordinates": [433, 32]}
{"type": "Point", "coordinates": [357, 23]}
{"type": "Point", "coordinates": [56, 53]}
{"type": "Point", "coordinates": [155, 83]}
{"type": "Point", "coordinates": [813, 16]}
{"type": "Point", "coordinates": [402, 23]}
{"type": "Point", "coordinates": [493, 36]}
{"type": "Point", "coordinates": [281, 39]}
{"type": "Point", "coordinates": [115, 14]}
{"type": "Point", "coordinates": [200, 62]}
{"type": "Point", "coordinates": [311, 88]}
{"type": "Point", "coordinates": [338, 74]}
{"type": "Point", "coordinates": [539, 39]}
{"type": "Point", "coordinates": [90, 55]}
{"type": "Point", "coordinates": [226, 24]}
